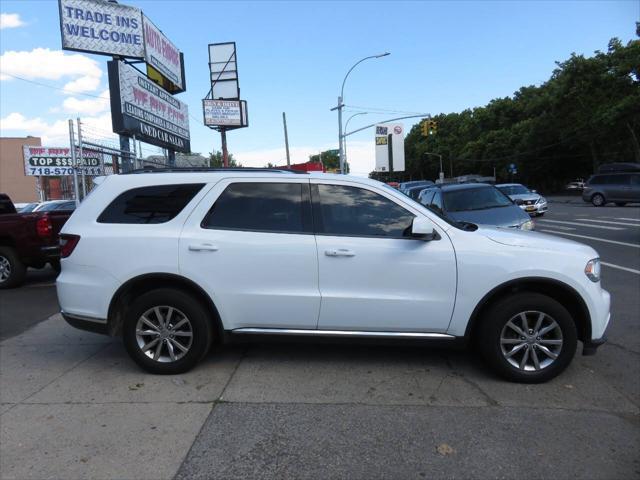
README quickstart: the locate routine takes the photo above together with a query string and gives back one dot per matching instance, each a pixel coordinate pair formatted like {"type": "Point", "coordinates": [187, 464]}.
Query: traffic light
{"type": "Point", "coordinates": [434, 127]}
{"type": "Point", "coordinates": [424, 128]}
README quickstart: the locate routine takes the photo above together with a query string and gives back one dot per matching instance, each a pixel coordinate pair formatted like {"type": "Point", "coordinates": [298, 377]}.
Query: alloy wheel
{"type": "Point", "coordinates": [5, 269]}
{"type": "Point", "coordinates": [531, 341]}
{"type": "Point", "coordinates": [164, 334]}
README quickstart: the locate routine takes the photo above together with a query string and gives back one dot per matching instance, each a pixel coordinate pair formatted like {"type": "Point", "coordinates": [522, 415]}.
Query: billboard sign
{"type": "Point", "coordinates": [223, 113]}
{"type": "Point", "coordinates": [140, 107]}
{"type": "Point", "coordinates": [56, 162]}
{"type": "Point", "coordinates": [163, 56]}
{"type": "Point", "coordinates": [390, 147]}
{"type": "Point", "coordinates": [101, 27]}
{"type": "Point", "coordinates": [223, 68]}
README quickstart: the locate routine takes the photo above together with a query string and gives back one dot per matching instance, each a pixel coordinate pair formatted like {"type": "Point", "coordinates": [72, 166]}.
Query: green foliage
{"type": "Point", "coordinates": [586, 114]}
{"type": "Point", "coordinates": [215, 160]}
{"type": "Point", "coordinates": [330, 159]}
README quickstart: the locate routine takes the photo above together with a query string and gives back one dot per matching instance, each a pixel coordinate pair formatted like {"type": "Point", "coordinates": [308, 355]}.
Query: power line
{"type": "Point", "coordinates": [55, 88]}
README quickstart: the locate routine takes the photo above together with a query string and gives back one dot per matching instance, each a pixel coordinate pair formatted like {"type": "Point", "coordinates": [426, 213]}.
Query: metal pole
{"type": "Point", "coordinates": [135, 153]}
{"type": "Point", "coordinates": [225, 153]}
{"type": "Point", "coordinates": [340, 148]}
{"type": "Point", "coordinates": [72, 143]}
{"type": "Point", "coordinates": [286, 138]}
{"type": "Point", "coordinates": [126, 153]}
{"type": "Point", "coordinates": [172, 158]}
{"type": "Point", "coordinates": [82, 165]}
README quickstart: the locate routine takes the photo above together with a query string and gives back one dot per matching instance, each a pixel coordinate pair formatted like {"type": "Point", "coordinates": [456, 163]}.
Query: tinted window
{"type": "Point", "coordinates": [157, 204]}
{"type": "Point", "coordinates": [514, 190]}
{"type": "Point", "coordinates": [426, 196]}
{"type": "Point", "coordinates": [264, 207]}
{"type": "Point", "coordinates": [436, 203]}
{"type": "Point", "coordinates": [66, 206]}
{"type": "Point", "coordinates": [475, 199]}
{"type": "Point", "coordinates": [342, 210]}
{"type": "Point", "coordinates": [609, 180]}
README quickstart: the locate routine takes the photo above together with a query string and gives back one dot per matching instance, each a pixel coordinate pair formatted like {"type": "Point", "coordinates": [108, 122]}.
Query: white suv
{"type": "Point", "coordinates": [176, 261]}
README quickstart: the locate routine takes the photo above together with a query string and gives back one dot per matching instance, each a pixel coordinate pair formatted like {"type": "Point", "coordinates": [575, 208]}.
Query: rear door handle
{"type": "Point", "coordinates": [203, 247]}
{"type": "Point", "coordinates": [339, 252]}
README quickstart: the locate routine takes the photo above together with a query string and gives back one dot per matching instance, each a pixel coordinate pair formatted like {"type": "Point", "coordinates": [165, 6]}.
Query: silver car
{"type": "Point", "coordinates": [528, 200]}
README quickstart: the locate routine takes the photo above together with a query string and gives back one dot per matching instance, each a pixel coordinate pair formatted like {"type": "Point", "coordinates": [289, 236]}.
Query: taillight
{"type": "Point", "coordinates": [44, 228]}
{"type": "Point", "coordinates": [68, 244]}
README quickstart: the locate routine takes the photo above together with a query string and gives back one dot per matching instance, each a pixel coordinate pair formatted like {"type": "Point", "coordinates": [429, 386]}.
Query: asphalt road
{"type": "Point", "coordinates": [22, 308]}
{"type": "Point", "coordinates": [77, 407]}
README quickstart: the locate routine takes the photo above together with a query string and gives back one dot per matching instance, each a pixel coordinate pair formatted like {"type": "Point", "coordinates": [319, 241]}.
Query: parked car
{"type": "Point", "coordinates": [26, 207]}
{"type": "Point", "coordinates": [404, 186]}
{"type": "Point", "coordinates": [476, 203]}
{"type": "Point", "coordinates": [529, 200]}
{"type": "Point", "coordinates": [177, 261]}
{"type": "Point", "coordinates": [27, 240]}
{"type": "Point", "coordinates": [575, 186]}
{"type": "Point", "coordinates": [414, 191]}
{"type": "Point", "coordinates": [51, 205]}
{"type": "Point", "coordinates": [619, 188]}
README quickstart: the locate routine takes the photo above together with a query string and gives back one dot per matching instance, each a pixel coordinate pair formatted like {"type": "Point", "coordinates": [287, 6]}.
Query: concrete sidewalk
{"type": "Point", "coordinates": [74, 406]}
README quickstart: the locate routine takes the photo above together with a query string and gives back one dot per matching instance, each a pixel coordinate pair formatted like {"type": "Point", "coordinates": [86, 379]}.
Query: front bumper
{"type": "Point", "coordinates": [536, 209]}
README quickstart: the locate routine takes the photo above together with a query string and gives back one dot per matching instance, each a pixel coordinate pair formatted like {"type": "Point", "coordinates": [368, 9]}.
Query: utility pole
{"type": "Point", "coordinates": [82, 165]}
{"type": "Point", "coordinates": [225, 153]}
{"type": "Point", "coordinates": [72, 144]}
{"type": "Point", "coordinates": [286, 138]}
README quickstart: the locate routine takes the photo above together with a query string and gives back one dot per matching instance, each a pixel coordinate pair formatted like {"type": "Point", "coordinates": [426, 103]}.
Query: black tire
{"type": "Point", "coordinates": [199, 322]}
{"type": "Point", "coordinates": [598, 200]}
{"type": "Point", "coordinates": [12, 270]}
{"type": "Point", "coordinates": [541, 214]}
{"type": "Point", "coordinates": [620, 204]}
{"type": "Point", "coordinates": [493, 326]}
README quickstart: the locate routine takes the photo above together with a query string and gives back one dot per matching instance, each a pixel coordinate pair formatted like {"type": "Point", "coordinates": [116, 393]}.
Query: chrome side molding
{"type": "Point", "coordinates": [343, 333]}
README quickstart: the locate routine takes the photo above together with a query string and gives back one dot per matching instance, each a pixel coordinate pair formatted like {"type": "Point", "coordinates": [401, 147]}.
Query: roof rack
{"type": "Point", "coordinates": [210, 169]}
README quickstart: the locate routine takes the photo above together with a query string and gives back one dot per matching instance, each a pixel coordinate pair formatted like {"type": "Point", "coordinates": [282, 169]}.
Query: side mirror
{"type": "Point", "coordinates": [422, 228]}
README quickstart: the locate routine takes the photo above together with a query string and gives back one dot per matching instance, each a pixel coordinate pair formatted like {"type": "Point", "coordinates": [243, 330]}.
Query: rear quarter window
{"type": "Point", "coordinates": [147, 205]}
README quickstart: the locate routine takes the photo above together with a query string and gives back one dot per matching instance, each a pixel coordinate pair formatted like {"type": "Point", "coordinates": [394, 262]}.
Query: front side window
{"type": "Point", "coordinates": [357, 212]}
{"type": "Point", "coordinates": [156, 204]}
{"type": "Point", "coordinates": [262, 207]}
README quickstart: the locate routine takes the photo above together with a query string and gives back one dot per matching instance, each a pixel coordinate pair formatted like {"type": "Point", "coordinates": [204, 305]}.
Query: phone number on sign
{"type": "Point", "coordinates": [60, 171]}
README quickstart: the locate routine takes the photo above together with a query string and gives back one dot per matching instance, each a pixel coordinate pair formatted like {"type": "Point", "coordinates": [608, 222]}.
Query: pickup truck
{"type": "Point", "coordinates": [27, 240]}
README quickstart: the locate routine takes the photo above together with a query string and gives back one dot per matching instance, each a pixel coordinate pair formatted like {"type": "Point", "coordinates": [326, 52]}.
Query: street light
{"type": "Point", "coordinates": [346, 124]}
{"type": "Point", "coordinates": [341, 105]}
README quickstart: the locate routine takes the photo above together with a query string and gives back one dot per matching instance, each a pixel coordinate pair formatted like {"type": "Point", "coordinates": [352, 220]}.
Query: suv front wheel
{"type": "Point", "coordinates": [528, 338]}
{"type": "Point", "coordinates": [167, 331]}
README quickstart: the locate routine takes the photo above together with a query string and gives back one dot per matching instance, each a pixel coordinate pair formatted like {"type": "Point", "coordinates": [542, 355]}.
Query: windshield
{"type": "Point", "coordinates": [475, 199]}
{"type": "Point", "coordinates": [514, 190]}
{"type": "Point", "coordinates": [28, 208]}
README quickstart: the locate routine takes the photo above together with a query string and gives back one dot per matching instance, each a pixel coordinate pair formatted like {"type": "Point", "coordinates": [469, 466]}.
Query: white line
{"type": "Point", "coordinates": [563, 228]}
{"type": "Point", "coordinates": [637, 272]}
{"type": "Point", "coordinates": [612, 223]}
{"type": "Point", "coordinates": [592, 238]}
{"type": "Point", "coordinates": [581, 224]}
{"type": "Point", "coordinates": [631, 219]}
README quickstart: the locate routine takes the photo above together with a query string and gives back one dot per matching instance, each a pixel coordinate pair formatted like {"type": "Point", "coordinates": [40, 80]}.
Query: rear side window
{"type": "Point", "coordinates": [262, 207]}
{"type": "Point", "coordinates": [156, 204]}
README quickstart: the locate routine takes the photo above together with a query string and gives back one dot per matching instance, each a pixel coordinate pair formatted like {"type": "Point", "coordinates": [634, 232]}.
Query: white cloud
{"type": "Point", "coordinates": [52, 65]}
{"type": "Point", "coordinates": [10, 20]}
{"type": "Point", "coordinates": [83, 84]}
{"type": "Point", "coordinates": [88, 106]}
{"type": "Point", "coordinates": [55, 133]}
{"type": "Point", "coordinates": [361, 156]}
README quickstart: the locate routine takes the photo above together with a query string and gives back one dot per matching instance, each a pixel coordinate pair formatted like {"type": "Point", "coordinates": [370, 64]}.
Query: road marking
{"type": "Point", "coordinates": [612, 223]}
{"type": "Point", "coordinates": [563, 228]}
{"type": "Point", "coordinates": [603, 227]}
{"type": "Point", "coordinates": [626, 269]}
{"type": "Point", "coordinates": [632, 219]}
{"type": "Point", "coordinates": [592, 238]}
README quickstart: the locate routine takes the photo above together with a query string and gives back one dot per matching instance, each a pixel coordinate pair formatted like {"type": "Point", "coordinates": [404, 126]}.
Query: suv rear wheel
{"type": "Point", "coordinates": [167, 331]}
{"type": "Point", "coordinates": [528, 338]}
{"type": "Point", "coordinates": [12, 270]}
{"type": "Point", "coordinates": [597, 200]}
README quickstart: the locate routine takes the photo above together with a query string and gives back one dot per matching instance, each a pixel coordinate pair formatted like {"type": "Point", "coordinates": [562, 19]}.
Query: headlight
{"type": "Point", "coordinates": [592, 270]}
{"type": "Point", "coordinates": [528, 225]}
{"type": "Point", "coordinates": [541, 200]}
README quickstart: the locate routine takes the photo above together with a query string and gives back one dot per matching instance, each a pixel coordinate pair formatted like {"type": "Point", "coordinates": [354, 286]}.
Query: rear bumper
{"type": "Point", "coordinates": [95, 325]}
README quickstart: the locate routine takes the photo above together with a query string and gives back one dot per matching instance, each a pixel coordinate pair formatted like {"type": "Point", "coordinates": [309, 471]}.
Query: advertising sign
{"type": "Point", "coordinates": [222, 113]}
{"type": "Point", "coordinates": [101, 27]}
{"type": "Point", "coordinates": [390, 147]}
{"type": "Point", "coordinates": [140, 107]}
{"type": "Point", "coordinates": [55, 162]}
{"type": "Point", "coordinates": [163, 56]}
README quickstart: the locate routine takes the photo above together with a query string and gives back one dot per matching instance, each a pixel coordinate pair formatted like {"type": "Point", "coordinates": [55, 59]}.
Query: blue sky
{"type": "Point", "coordinates": [292, 56]}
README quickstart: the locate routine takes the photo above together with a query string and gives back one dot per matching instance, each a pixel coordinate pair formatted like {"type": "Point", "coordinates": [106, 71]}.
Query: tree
{"type": "Point", "coordinates": [330, 160]}
{"type": "Point", "coordinates": [215, 160]}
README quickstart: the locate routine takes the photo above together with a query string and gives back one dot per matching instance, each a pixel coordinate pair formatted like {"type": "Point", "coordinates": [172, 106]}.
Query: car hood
{"type": "Point", "coordinates": [510, 216]}
{"type": "Point", "coordinates": [536, 240]}
{"type": "Point", "coordinates": [525, 196]}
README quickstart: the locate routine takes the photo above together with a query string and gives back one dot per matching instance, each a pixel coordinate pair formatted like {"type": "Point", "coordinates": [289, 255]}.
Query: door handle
{"type": "Point", "coordinates": [203, 247]}
{"type": "Point", "coordinates": [339, 252]}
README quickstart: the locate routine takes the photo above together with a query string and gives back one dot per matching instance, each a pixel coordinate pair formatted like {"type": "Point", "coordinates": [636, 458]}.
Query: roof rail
{"type": "Point", "coordinates": [210, 169]}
